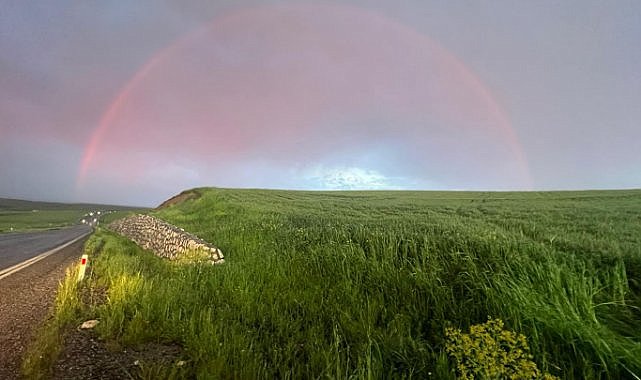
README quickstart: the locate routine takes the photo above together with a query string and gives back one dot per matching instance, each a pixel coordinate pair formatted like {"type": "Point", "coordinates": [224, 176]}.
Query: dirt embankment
{"type": "Point", "coordinates": [180, 198]}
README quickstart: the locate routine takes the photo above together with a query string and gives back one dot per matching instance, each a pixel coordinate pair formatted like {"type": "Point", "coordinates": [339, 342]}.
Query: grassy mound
{"type": "Point", "coordinates": [365, 284]}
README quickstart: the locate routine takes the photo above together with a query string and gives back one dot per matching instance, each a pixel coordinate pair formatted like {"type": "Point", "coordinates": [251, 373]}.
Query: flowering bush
{"type": "Point", "coordinates": [490, 352]}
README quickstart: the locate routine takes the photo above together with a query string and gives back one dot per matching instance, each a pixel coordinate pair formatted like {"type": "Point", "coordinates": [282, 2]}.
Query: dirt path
{"type": "Point", "coordinates": [26, 298]}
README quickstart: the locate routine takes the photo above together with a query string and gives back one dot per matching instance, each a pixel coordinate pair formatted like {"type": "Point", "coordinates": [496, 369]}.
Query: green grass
{"type": "Point", "coordinates": [38, 220]}
{"type": "Point", "coordinates": [20, 215]}
{"type": "Point", "coordinates": [49, 341]}
{"type": "Point", "coordinates": [112, 216]}
{"type": "Point", "coordinates": [364, 284]}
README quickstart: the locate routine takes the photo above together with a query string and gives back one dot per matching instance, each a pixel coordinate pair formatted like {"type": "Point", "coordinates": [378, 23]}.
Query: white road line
{"type": "Point", "coordinates": [11, 270]}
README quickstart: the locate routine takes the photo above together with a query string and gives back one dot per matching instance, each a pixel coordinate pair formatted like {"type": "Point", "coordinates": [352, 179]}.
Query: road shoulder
{"type": "Point", "coordinates": [26, 300]}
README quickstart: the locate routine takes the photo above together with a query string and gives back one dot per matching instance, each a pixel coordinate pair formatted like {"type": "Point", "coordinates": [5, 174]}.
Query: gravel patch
{"type": "Point", "coordinates": [26, 300]}
{"type": "Point", "coordinates": [87, 357]}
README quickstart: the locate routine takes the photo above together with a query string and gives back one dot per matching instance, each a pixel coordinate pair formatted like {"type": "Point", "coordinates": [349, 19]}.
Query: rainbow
{"type": "Point", "coordinates": [466, 75]}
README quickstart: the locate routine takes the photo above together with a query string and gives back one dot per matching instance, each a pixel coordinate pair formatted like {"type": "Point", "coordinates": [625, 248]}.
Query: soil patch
{"type": "Point", "coordinates": [180, 198]}
{"type": "Point", "coordinates": [86, 356]}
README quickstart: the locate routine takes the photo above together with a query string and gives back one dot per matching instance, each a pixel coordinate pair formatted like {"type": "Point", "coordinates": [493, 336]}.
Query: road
{"type": "Point", "coordinates": [26, 295]}
{"type": "Point", "coordinates": [16, 247]}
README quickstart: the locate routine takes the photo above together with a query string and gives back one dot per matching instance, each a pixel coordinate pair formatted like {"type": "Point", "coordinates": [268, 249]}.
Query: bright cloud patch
{"type": "Point", "coordinates": [348, 178]}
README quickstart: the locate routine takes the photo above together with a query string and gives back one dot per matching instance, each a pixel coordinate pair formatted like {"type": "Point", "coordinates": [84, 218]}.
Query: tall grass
{"type": "Point", "coordinates": [363, 284]}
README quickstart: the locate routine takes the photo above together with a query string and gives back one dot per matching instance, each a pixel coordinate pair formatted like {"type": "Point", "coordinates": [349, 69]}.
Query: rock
{"type": "Point", "coordinates": [90, 324]}
{"type": "Point", "coordinates": [164, 239]}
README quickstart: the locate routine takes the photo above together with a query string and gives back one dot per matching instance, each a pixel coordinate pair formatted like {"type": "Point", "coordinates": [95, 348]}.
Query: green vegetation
{"type": "Point", "coordinates": [38, 220]}
{"type": "Point", "coordinates": [41, 356]}
{"type": "Point", "coordinates": [365, 284]}
{"type": "Point", "coordinates": [112, 216]}
{"type": "Point", "coordinates": [490, 352]}
{"type": "Point", "coordinates": [20, 215]}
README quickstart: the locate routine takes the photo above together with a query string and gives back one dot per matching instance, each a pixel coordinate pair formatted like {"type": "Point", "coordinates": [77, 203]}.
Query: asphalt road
{"type": "Point", "coordinates": [17, 247]}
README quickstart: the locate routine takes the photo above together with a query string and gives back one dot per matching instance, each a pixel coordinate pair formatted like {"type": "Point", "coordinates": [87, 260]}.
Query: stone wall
{"type": "Point", "coordinates": [164, 239]}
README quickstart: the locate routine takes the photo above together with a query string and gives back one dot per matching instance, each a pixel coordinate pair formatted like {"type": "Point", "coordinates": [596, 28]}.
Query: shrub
{"type": "Point", "coordinates": [490, 352]}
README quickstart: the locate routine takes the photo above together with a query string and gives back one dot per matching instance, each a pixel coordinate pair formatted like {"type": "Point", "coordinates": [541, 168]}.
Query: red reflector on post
{"type": "Point", "coordinates": [82, 267]}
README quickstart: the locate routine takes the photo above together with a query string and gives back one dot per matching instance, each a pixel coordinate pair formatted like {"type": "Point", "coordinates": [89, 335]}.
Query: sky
{"type": "Point", "coordinates": [127, 102]}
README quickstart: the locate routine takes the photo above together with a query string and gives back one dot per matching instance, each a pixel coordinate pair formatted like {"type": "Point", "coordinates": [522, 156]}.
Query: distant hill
{"type": "Point", "coordinates": [23, 215]}
{"type": "Point", "coordinates": [9, 204]}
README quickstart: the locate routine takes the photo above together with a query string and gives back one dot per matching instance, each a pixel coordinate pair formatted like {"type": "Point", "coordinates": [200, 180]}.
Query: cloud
{"type": "Point", "coordinates": [278, 95]}
{"type": "Point", "coordinates": [348, 178]}
{"type": "Point", "coordinates": [23, 173]}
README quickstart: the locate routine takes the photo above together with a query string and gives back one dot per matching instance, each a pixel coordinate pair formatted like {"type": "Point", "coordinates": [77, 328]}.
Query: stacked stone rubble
{"type": "Point", "coordinates": [164, 239]}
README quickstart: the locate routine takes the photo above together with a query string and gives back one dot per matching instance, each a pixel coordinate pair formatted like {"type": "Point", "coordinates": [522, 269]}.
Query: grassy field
{"type": "Point", "coordinates": [21, 215]}
{"type": "Point", "coordinates": [364, 284]}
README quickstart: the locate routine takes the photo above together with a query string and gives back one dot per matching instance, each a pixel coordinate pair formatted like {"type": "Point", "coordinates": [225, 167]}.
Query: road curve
{"type": "Point", "coordinates": [17, 247]}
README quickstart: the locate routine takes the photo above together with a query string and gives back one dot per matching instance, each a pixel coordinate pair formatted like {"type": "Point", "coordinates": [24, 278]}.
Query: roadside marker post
{"type": "Point", "coordinates": [83, 267]}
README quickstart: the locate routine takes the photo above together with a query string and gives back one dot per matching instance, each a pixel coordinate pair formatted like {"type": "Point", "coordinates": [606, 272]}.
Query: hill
{"type": "Point", "coordinates": [366, 284]}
